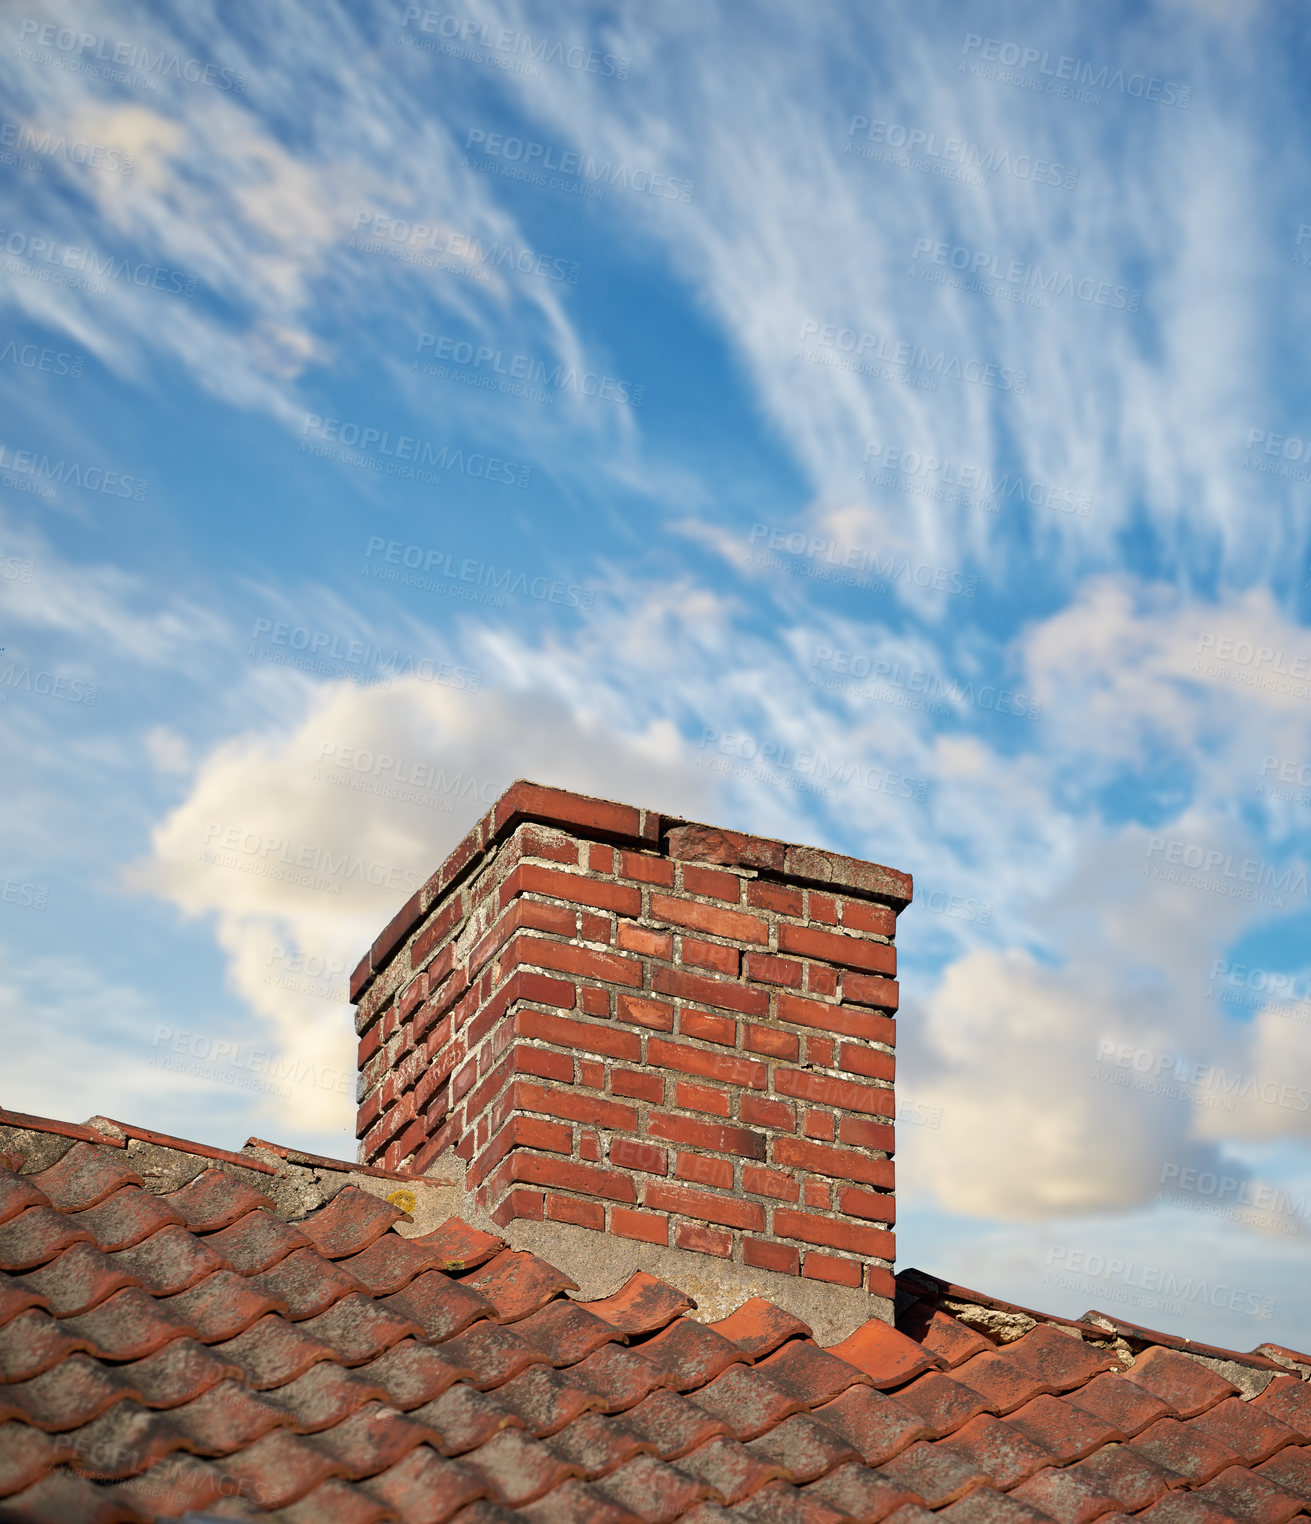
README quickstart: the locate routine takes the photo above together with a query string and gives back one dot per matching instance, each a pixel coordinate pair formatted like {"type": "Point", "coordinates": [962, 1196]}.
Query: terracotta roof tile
{"type": "Point", "coordinates": [87, 1174]}
{"type": "Point", "coordinates": [942, 1335]}
{"type": "Point", "coordinates": [690, 1354]}
{"type": "Point", "coordinates": [601, 1445]}
{"type": "Point", "coordinates": [749, 1403]}
{"type": "Point", "coordinates": [37, 1236]}
{"type": "Point", "coordinates": [1067, 1432]}
{"type": "Point", "coordinates": [34, 1342]}
{"type": "Point", "coordinates": [466, 1418]}
{"type": "Point", "coordinates": [1007, 1456]}
{"type": "Point", "coordinates": [350, 1222]}
{"type": "Point", "coordinates": [654, 1492]}
{"type": "Point", "coordinates": [858, 1493]}
{"type": "Point", "coordinates": [805, 1448]}
{"type": "Point", "coordinates": [215, 1199]}
{"type": "Point", "coordinates": [1127, 1407]}
{"type": "Point", "coordinates": [256, 1241]}
{"type": "Point", "coordinates": [459, 1246]}
{"type": "Point", "coordinates": [331, 1369]}
{"type": "Point", "coordinates": [934, 1473]}
{"type": "Point", "coordinates": [1132, 1480]}
{"type": "Point", "coordinates": [1289, 1400]}
{"type": "Point", "coordinates": [425, 1487]}
{"type": "Point", "coordinates": [566, 1333]}
{"type": "Point", "coordinates": [440, 1306]}
{"type": "Point", "coordinates": [758, 1327]}
{"type": "Point", "coordinates": [878, 1427]}
{"type": "Point", "coordinates": [985, 1505]}
{"type": "Point", "coordinates": [1182, 1447]}
{"type": "Point", "coordinates": [17, 1193]}
{"type": "Point", "coordinates": [1065, 1495]}
{"type": "Point", "coordinates": [223, 1306]}
{"type": "Point", "coordinates": [732, 1470]}
{"type": "Point", "coordinates": [809, 1373]}
{"type": "Point", "coordinates": [1253, 1499]}
{"type": "Point", "coordinates": [672, 1425]}
{"type": "Point", "coordinates": [1187, 1385]}
{"type": "Point", "coordinates": [126, 1218]}
{"type": "Point", "coordinates": [517, 1284]}
{"type": "Point", "coordinates": [887, 1357]}
{"type": "Point", "coordinates": [642, 1305]}
{"type": "Point", "coordinates": [944, 1405]}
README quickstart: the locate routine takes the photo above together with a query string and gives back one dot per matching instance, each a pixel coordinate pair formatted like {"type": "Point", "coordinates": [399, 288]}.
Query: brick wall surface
{"type": "Point", "coordinates": [647, 1027]}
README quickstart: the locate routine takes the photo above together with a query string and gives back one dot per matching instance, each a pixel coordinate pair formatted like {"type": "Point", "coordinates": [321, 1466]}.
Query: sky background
{"type": "Point", "coordinates": [881, 427]}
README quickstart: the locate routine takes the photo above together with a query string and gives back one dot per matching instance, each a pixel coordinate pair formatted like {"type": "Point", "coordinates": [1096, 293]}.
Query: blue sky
{"type": "Point", "coordinates": [885, 429]}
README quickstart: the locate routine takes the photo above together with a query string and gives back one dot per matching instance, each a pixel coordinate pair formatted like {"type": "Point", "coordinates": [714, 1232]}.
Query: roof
{"type": "Point", "coordinates": [253, 1335]}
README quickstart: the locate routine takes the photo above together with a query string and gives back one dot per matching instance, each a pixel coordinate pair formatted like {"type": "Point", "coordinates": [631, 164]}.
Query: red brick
{"type": "Point", "coordinates": [702, 1170]}
{"type": "Point", "coordinates": [544, 1063]}
{"type": "Point", "coordinates": [487, 1089]}
{"type": "Point", "coordinates": [629, 1154]}
{"type": "Point", "coordinates": [766, 1040]}
{"type": "Point", "coordinates": [867, 989]}
{"type": "Point", "coordinates": [872, 1062]}
{"type": "Point", "coordinates": [601, 859]}
{"type": "Point", "coordinates": [729, 1070]}
{"type": "Point", "coordinates": [820, 1124]}
{"type": "Point", "coordinates": [832, 1233]}
{"type": "Point", "coordinates": [523, 985]}
{"type": "Point", "coordinates": [712, 883]}
{"type": "Point", "coordinates": [841, 1094]}
{"type": "Point", "coordinates": [591, 1074]}
{"type": "Point", "coordinates": [707, 1028]}
{"type": "Point", "coordinates": [443, 920]}
{"type": "Point", "coordinates": [729, 1211]}
{"type": "Point", "coordinates": [826, 1267]}
{"type": "Point", "coordinates": [769, 1182]}
{"type": "Point", "coordinates": [711, 955]}
{"type": "Point", "coordinates": [535, 842]}
{"type": "Point", "coordinates": [874, 1206]}
{"type": "Point", "coordinates": [736, 925]}
{"type": "Point", "coordinates": [559, 920]}
{"type": "Point", "coordinates": [880, 1281]}
{"type": "Point", "coordinates": [682, 984]}
{"type": "Point", "coordinates": [756, 1111]}
{"type": "Point", "coordinates": [641, 939]}
{"type": "Point", "coordinates": [595, 1000]}
{"type": "Point", "coordinates": [816, 1195]}
{"type": "Point", "coordinates": [521, 1132]}
{"type": "Point", "coordinates": [637, 1085]}
{"type": "Point", "coordinates": [574, 1106]}
{"type": "Point", "coordinates": [570, 959]}
{"type": "Point", "coordinates": [690, 1235]}
{"type": "Point", "coordinates": [395, 932]}
{"type": "Point", "coordinates": [593, 927]}
{"type": "Point", "coordinates": [860, 1132]}
{"type": "Point", "coordinates": [646, 1013]}
{"type": "Point", "coordinates": [821, 979]}
{"type": "Point", "coordinates": [650, 1227]}
{"type": "Point", "coordinates": [768, 969]}
{"type": "Point", "coordinates": [410, 996]}
{"type": "Point", "coordinates": [369, 1111]}
{"type": "Point", "coordinates": [647, 869]}
{"type": "Point", "coordinates": [715, 1136]}
{"type": "Point", "coordinates": [585, 1036]}
{"type": "Point", "coordinates": [836, 1162]}
{"type": "Point", "coordinates": [555, 806]}
{"type": "Point", "coordinates": [519, 1205]}
{"type": "Point", "coordinates": [760, 1254]}
{"type": "Point", "coordinates": [584, 1179]}
{"type": "Point", "coordinates": [589, 1147]}
{"type": "Point", "coordinates": [846, 952]}
{"type": "Point", "coordinates": [774, 897]}
{"type": "Point", "coordinates": [819, 1052]}
{"type": "Point", "coordinates": [847, 1021]}
{"type": "Point", "coordinates": [586, 1214]}
{"type": "Point", "coordinates": [822, 908]}
{"type": "Point", "coordinates": [687, 1097]}
{"type": "Point", "coordinates": [862, 915]}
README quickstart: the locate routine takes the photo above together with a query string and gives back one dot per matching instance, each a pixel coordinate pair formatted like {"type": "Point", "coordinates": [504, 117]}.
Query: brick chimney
{"type": "Point", "coordinates": [644, 1036]}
